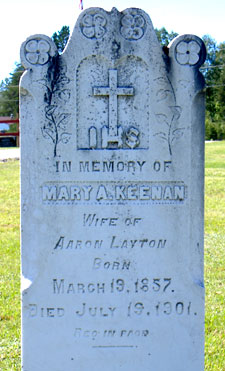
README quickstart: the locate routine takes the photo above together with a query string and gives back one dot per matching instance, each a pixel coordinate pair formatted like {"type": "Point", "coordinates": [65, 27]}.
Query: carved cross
{"type": "Point", "coordinates": [113, 91]}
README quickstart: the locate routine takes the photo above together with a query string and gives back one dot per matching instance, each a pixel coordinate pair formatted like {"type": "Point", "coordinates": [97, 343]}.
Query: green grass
{"type": "Point", "coordinates": [9, 267]}
{"type": "Point", "coordinates": [215, 256]}
{"type": "Point", "coordinates": [214, 261]}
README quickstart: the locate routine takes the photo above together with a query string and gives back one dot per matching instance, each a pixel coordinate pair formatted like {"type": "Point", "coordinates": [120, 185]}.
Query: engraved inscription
{"type": "Point", "coordinates": [61, 286]}
{"type": "Point", "coordinates": [138, 309]}
{"type": "Point", "coordinates": [110, 333]}
{"type": "Point", "coordinates": [63, 166]}
{"type": "Point", "coordinates": [179, 308]}
{"type": "Point", "coordinates": [111, 166]}
{"type": "Point", "coordinates": [118, 243]}
{"type": "Point", "coordinates": [98, 263]}
{"type": "Point", "coordinates": [51, 312]}
{"type": "Point", "coordinates": [93, 220]}
{"type": "Point", "coordinates": [114, 242]}
{"type": "Point", "coordinates": [132, 309]}
{"type": "Point", "coordinates": [112, 192]}
{"type": "Point", "coordinates": [95, 311]}
{"type": "Point", "coordinates": [69, 244]}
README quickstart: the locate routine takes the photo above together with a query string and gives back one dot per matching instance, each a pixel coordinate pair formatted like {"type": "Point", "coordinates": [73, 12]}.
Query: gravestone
{"type": "Point", "coordinates": [112, 142]}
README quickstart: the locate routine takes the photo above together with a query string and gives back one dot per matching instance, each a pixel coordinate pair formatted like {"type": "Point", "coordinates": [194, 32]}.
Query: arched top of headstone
{"type": "Point", "coordinates": [131, 23]}
{"type": "Point", "coordinates": [114, 34]}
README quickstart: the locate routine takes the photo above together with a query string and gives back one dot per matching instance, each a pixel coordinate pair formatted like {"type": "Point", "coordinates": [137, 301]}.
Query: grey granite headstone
{"type": "Point", "coordinates": [112, 139]}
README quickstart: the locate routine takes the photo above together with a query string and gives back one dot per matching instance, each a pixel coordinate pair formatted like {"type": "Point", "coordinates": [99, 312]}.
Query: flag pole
{"type": "Point", "coordinates": [81, 6]}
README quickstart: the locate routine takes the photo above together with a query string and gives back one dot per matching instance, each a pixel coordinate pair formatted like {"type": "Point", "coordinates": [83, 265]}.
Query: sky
{"type": "Point", "coordinates": [23, 18]}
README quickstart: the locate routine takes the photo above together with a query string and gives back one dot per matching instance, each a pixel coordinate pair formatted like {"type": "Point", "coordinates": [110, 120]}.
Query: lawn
{"type": "Point", "coordinates": [9, 267]}
{"type": "Point", "coordinates": [215, 256]}
{"type": "Point", "coordinates": [214, 261]}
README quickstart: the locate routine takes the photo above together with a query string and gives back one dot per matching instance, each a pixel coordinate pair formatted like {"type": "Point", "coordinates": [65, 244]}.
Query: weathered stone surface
{"type": "Point", "coordinates": [112, 139]}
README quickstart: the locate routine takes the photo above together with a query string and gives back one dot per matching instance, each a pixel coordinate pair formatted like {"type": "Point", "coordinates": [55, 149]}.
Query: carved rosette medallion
{"type": "Point", "coordinates": [37, 50]}
{"type": "Point", "coordinates": [132, 26]}
{"type": "Point", "coordinates": [93, 26]}
{"type": "Point", "coordinates": [188, 52]}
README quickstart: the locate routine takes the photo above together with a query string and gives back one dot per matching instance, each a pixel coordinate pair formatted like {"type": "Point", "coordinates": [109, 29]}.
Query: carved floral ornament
{"type": "Point", "coordinates": [37, 50]}
{"type": "Point", "coordinates": [132, 26]}
{"type": "Point", "coordinates": [93, 25]}
{"type": "Point", "coordinates": [188, 52]}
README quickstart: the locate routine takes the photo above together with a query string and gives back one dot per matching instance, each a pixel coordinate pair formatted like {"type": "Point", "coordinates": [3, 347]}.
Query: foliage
{"type": "Point", "coordinates": [164, 36]}
{"type": "Point", "coordinates": [220, 90]}
{"type": "Point", "coordinates": [214, 73]}
{"type": "Point", "coordinates": [214, 130]}
{"type": "Point", "coordinates": [61, 38]}
{"type": "Point", "coordinates": [211, 48]}
{"type": "Point", "coordinates": [13, 128]}
{"type": "Point", "coordinates": [9, 89]}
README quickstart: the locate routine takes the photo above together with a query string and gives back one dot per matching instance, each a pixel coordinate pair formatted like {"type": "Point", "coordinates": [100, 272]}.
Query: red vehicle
{"type": "Point", "coordinates": [9, 135]}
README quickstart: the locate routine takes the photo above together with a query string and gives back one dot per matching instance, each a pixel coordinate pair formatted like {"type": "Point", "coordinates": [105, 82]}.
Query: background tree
{"type": "Point", "coordinates": [61, 38]}
{"type": "Point", "coordinates": [164, 36]}
{"type": "Point", "coordinates": [9, 88]}
{"type": "Point", "coordinates": [214, 73]}
{"type": "Point", "coordinates": [9, 93]}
